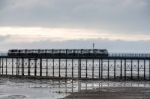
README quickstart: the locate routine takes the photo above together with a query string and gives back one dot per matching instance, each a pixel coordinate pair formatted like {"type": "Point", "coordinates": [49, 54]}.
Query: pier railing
{"type": "Point", "coordinates": [130, 55]}
{"type": "Point", "coordinates": [79, 55]}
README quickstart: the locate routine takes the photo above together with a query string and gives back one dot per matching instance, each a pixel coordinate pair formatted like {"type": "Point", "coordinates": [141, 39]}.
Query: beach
{"type": "Point", "coordinates": [113, 93]}
{"type": "Point", "coordinates": [21, 88]}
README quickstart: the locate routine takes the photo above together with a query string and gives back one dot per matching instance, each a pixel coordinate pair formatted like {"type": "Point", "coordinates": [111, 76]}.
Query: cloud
{"type": "Point", "coordinates": [4, 38]}
{"type": "Point", "coordinates": [111, 45]}
{"type": "Point", "coordinates": [33, 38]}
{"type": "Point", "coordinates": [2, 4]}
{"type": "Point", "coordinates": [117, 25]}
{"type": "Point", "coordinates": [34, 34]}
{"type": "Point", "coordinates": [130, 16]}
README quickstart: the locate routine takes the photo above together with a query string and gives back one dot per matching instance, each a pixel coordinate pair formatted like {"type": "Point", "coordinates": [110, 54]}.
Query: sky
{"type": "Point", "coordinates": [116, 25]}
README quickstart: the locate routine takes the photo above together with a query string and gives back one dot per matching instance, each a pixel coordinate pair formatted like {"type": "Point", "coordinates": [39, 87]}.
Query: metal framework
{"type": "Point", "coordinates": [75, 64]}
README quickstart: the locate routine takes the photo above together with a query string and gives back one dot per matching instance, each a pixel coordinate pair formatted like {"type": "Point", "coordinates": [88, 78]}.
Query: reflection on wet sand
{"type": "Point", "coordinates": [54, 89]}
{"type": "Point", "coordinates": [110, 89]}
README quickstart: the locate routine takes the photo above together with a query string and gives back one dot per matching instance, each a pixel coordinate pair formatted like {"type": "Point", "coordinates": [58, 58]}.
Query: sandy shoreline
{"type": "Point", "coordinates": [113, 93]}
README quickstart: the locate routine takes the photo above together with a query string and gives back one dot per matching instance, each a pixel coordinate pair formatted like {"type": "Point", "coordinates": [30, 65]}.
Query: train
{"type": "Point", "coordinates": [58, 52]}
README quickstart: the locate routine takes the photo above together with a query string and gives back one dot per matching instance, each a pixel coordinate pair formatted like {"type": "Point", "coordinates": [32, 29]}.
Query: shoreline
{"type": "Point", "coordinates": [112, 93]}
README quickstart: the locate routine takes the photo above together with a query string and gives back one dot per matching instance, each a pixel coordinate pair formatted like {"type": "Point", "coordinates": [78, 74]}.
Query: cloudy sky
{"type": "Point", "coordinates": [118, 25]}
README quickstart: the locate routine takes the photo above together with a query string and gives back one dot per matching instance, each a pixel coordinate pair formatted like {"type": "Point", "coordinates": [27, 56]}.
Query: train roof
{"type": "Point", "coordinates": [57, 50]}
{"type": "Point", "coordinates": [50, 49]}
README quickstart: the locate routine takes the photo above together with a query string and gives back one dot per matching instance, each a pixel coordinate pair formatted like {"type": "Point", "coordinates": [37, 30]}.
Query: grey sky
{"type": "Point", "coordinates": [114, 16]}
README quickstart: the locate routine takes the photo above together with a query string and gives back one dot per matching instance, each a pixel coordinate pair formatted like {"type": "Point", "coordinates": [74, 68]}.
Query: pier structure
{"type": "Point", "coordinates": [88, 64]}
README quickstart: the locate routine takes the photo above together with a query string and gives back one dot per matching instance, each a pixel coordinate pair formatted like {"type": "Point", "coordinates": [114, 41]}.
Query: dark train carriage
{"type": "Point", "coordinates": [95, 52]}
{"type": "Point", "coordinates": [58, 52]}
{"type": "Point", "coordinates": [13, 52]}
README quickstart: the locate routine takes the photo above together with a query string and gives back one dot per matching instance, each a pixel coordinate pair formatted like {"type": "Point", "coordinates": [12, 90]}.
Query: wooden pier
{"type": "Point", "coordinates": [88, 64]}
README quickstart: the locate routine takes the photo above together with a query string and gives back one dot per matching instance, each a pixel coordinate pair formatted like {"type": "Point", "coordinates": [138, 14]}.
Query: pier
{"type": "Point", "coordinates": [86, 64]}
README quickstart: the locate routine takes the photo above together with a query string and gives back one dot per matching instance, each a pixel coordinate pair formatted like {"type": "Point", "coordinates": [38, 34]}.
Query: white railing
{"type": "Point", "coordinates": [129, 55]}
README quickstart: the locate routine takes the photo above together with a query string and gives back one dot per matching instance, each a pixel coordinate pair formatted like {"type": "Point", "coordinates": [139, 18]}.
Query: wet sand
{"type": "Point", "coordinates": [113, 93]}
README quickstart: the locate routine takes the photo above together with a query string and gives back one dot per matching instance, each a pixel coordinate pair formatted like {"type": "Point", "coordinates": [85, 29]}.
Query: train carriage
{"type": "Point", "coordinates": [59, 52]}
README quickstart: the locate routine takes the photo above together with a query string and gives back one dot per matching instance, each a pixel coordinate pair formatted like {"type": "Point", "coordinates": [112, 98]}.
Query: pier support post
{"type": "Point", "coordinates": [12, 66]}
{"type": "Point", "coordinates": [86, 68]}
{"type": "Point", "coordinates": [53, 67]}
{"type": "Point", "coordinates": [17, 66]}
{"type": "Point", "coordinates": [115, 69]}
{"type": "Point", "coordinates": [149, 70]}
{"type": "Point", "coordinates": [121, 69]}
{"type": "Point", "coordinates": [66, 69]}
{"type": "Point", "coordinates": [22, 66]}
{"type": "Point", "coordinates": [2, 66]}
{"type": "Point", "coordinates": [46, 67]}
{"type": "Point", "coordinates": [138, 70]}
{"type": "Point", "coordinates": [92, 68]}
{"type": "Point", "coordinates": [59, 67]}
{"type": "Point", "coordinates": [72, 69]}
{"type": "Point", "coordinates": [41, 63]}
{"type": "Point", "coordinates": [144, 71]}
{"type": "Point", "coordinates": [6, 65]}
{"type": "Point", "coordinates": [101, 68]}
{"type": "Point", "coordinates": [29, 67]}
{"type": "Point", "coordinates": [79, 68]}
{"type": "Point", "coordinates": [35, 68]}
{"type": "Point", "coordinates": [108, 69]}
{"type": "Point", "coordinates": [131, 69]}
{"type": "Point", "coordinates": [125, 64]}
